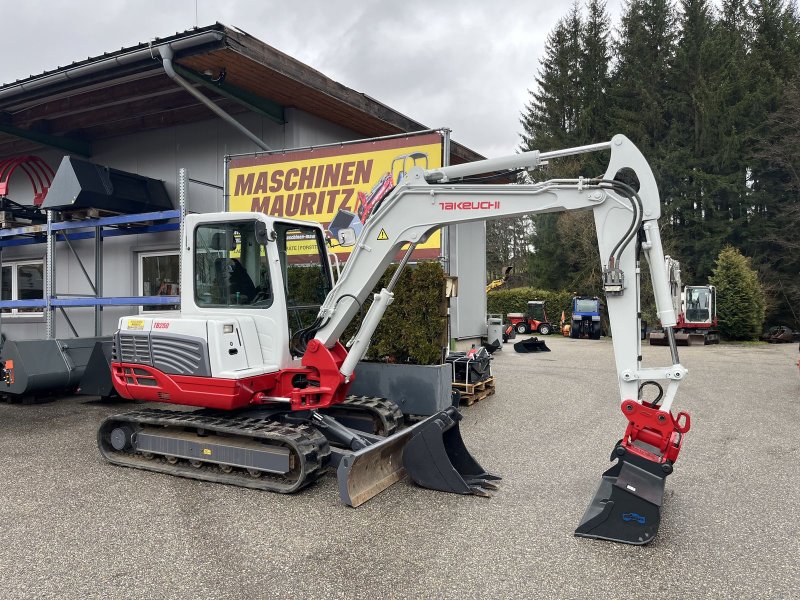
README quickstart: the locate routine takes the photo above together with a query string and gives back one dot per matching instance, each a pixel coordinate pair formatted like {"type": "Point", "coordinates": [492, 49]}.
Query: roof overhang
{"type": "Point", "coordinates": [127, 91]}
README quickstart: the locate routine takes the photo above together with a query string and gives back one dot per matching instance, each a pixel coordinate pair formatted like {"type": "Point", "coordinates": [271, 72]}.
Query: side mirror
{"type": "Point", "coordinates": [262, 235]}
{"type": "Point", "coordinates": [346, 236]}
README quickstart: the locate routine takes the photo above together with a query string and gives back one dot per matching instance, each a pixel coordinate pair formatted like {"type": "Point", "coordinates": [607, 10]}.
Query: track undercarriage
{"type": "Point", "coordinates": [263, 448]}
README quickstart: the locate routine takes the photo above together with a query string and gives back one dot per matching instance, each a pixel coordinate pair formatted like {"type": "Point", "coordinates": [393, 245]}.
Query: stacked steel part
{"type": "Point", "coordinates": [80, 184]}
{"type": "Point", "coordinates": [35, 169]}
{"type": "Point", "coordinates": [38, 368]}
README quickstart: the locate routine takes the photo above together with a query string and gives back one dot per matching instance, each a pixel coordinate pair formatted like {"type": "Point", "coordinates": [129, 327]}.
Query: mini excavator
{"type": "Point", "coordinates": [256, 351]}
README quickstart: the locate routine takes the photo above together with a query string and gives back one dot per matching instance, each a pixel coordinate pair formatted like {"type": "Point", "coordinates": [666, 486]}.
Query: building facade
{"type": "Point", "coordinates": [126, 111]}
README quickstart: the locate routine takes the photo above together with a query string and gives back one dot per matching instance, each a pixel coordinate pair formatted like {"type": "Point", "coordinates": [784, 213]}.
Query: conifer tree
{"type": "Point", "coordinates": [740, 298]}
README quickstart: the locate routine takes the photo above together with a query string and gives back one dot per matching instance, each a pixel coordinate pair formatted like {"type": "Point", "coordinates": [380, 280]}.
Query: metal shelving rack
{"type": "Point", "coordinates": [99, 229]}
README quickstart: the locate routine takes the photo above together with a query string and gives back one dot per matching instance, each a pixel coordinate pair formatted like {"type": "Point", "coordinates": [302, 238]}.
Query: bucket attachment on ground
{"type": "Point", "coordinates": [627, 505]}
{"type": "Point", "coordinates": [531, 345]}
{"type": "Point", "coordinates": [431, 452]}
{"type": "Point", "coordinates": [436, 458]}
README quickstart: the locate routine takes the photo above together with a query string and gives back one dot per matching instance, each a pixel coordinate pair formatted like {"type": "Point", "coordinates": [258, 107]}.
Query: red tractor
{"type": "Point", "coordinates": [535, 321]}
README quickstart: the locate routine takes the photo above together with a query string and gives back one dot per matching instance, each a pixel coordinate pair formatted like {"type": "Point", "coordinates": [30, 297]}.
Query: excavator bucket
{"type": "Point", "coordinates": [431, 452]}
{"type": "Point", "coordinates": [627, 505]}
{"type": "Point", "coordinates": [531, 345]}
{"type": "Point", "coordinates": [436, 458]}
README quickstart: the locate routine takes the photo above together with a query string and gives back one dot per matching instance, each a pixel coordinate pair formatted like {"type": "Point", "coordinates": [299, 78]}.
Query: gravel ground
{"type": "Point", "coordinates": [72, 526]}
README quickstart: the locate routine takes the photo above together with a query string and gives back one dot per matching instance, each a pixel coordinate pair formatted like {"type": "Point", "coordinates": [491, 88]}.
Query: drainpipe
{"type": "Point", "coordinates": [166, 59]}
{"type": "Point", "coordinates": [104, 64]}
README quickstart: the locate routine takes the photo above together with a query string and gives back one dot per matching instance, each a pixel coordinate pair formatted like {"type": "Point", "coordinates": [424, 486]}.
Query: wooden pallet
{"type": "Point", "coordinates": [82, 214]}
{"type": "Point", "coordinates": [475, 392]}
{"type": "Point", "coordinates": [8, 224]}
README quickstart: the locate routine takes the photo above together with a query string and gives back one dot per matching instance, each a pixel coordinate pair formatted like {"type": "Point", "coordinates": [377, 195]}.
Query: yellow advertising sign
{"type": "Point", "coordinates": [334, 186]}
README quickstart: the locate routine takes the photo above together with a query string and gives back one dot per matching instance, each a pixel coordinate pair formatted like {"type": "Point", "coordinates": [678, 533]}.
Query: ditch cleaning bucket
{"type": "Point", "coordinates": [531, 345]}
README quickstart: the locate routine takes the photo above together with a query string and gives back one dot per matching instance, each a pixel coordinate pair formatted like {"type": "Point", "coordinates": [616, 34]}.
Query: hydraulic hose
{"type": "Point", "coordinates": [638, 211]}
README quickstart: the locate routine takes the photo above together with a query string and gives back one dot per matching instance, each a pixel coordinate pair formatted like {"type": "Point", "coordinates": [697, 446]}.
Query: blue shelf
{"type": "Point", "coordinates": [23, 303]}
{"type": "Point", "coordinates": [92, 301]}
{"type": "Point", "coordinates": [37, 234]}
{"type": "Point", "coordinates": [88, 235]}
{"type": "Point", "coordinates": [116, 301]}
{"type": "Point", "coordinates": [117, 220]}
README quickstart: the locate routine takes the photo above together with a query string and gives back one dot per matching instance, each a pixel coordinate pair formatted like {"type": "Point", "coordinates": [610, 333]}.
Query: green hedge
{"type": "Point", "coordinates": [516, 300]}
{"type": "Point", "coordinates": [414, 328]}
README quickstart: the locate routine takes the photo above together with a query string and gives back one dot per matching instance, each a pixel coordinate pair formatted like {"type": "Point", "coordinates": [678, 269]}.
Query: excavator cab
{"type": "Point", "coordinates": [700, 304]}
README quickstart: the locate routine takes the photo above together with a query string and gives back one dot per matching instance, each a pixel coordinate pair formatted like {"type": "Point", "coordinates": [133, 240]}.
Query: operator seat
{"type": "Point", "coordinates": [232, 277]}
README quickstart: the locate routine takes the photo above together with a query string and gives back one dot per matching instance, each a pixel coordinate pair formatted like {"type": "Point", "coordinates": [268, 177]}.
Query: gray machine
{"type": "Point", "coordinates": [80, 184]}
{"type": "Point", "coordinates": [32, 369]}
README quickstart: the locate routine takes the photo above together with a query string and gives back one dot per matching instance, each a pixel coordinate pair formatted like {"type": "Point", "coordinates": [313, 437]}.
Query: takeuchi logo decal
{"type": "Point", "coordinates": [469, 205]}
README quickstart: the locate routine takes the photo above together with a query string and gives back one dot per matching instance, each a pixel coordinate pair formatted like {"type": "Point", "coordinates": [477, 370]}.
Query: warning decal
{"type": "Point", "coordinates": [382, 235]}
{"type": "Point", "coordinates": [136, 324]}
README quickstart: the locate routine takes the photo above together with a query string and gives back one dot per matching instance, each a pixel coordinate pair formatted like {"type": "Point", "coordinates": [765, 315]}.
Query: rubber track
{"type": "Point", "coordinates": [385, 411]}
{"type": "Point", "coordinates": [310, 448]}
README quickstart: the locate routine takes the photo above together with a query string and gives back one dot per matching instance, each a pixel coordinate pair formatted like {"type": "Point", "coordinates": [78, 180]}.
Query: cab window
{"type": "Point", "coordinates": [230, 266]}
{"type": "Point", "coordinates": [306, 273]}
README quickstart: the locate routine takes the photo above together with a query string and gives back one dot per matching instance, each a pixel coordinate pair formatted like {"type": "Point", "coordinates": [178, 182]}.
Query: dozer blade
{"type": "Point", "coordinates": [367, 472]}
{"type": "Point", "coordinates": [658, 338]}
{"type": "Point", "coordinates": [683, 339]}
{"type": "Point", "coordinates": [627, 505]}
{"type": "Point", "coordinates": [531, 345]}
{"type": "Point", "coordinates": [414, 451]}
{"type": "Point", "coordinates": [697, 339]}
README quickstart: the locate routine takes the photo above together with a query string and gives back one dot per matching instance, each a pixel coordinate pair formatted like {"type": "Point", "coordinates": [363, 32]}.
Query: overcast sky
{"type": "Point", "coordinates": [465, 64]}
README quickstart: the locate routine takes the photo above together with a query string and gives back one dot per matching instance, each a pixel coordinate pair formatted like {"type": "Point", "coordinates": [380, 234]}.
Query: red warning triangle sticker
{"type": "Point", "coordinates": [382, 235]}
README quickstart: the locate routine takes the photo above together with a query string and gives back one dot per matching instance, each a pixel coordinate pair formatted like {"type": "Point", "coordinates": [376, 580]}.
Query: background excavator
{"type": "Point", "coordinates": [256, 347]}
{"type": "Point", "coordinates": [498, 283]}
{"type": "Point", "coordinates": [696, 307]}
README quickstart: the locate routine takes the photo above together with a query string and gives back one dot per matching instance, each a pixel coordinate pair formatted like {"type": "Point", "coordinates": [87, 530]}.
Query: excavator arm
{"type": "Point", "coordinates": [428, 200]}
{"type": "Point", "coordinates": [626, 220]}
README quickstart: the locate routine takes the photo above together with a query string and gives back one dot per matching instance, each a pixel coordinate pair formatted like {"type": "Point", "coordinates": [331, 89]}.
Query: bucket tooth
{"type": "Point", "coordinates": [627, 505]}
{"type": "Point", "coordinates": [436, 458]}
{"type": "Point", "coordinates": [484, 483]}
